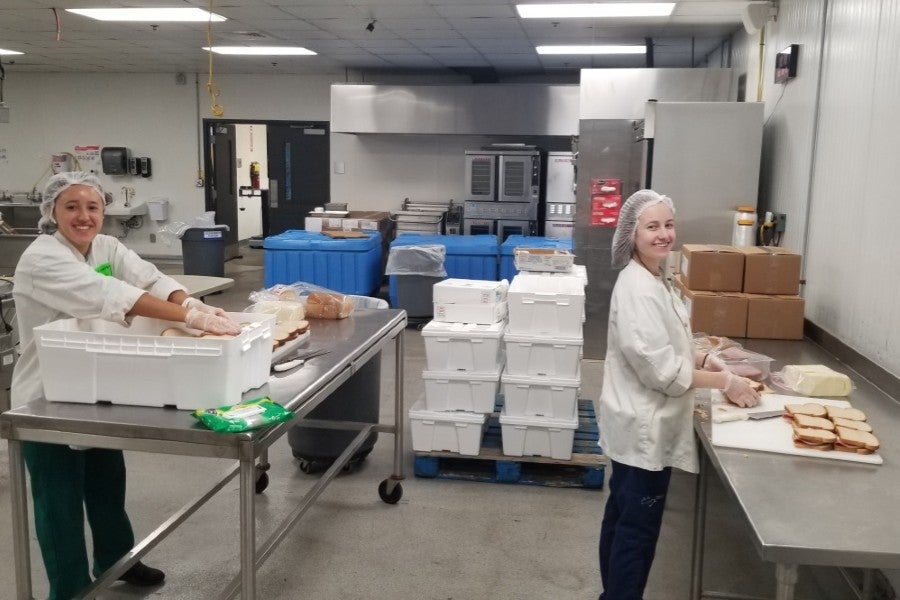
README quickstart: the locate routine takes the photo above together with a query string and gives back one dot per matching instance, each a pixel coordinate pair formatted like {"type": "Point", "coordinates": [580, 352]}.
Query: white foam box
{"type": "Point", "coordinates": [446, 431]}
{"type": "Point", "coordinates": [470, 291]}
{"type": "Point", "coordinates": [542, 355]}
{"type": "Point", "coordinates": [466, 347]}
{"type": "Point", "coordinates": [578, 271]}
{"type": "Point", "coordinates": [546, 305]}
{"type": "Point", "coordinates": [538, 436]}
{"type": "Point", "coordinates": [459, 390]}
{"type": "Point", "coordinates": [94, 360]}
{"type": "Point", "coordinates": [481, 314]}
{"type": "Point", "coordinates": [543, 259]}
{"type": "Point", "coordinates": [531, 396]}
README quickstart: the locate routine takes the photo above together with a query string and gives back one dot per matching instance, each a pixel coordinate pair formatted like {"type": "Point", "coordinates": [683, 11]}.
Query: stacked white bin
{"type": "Point", "coordinates": [464, 360]}
{"type": "Point", "coordinates": [543, 342]}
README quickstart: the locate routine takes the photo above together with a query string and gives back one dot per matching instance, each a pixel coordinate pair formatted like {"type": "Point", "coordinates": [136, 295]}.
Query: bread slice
{"type": "Point", "coordinates": [810, 446]}
{"type": "Point", "coordinates": [853, 414]}
{"type": "Point", "coordinates": [810, 408]}
{"type": "Point", "coordinates": [852, 450]}
{"type": "Point", "coordinates": [816, 439]}
{"type": "Point", "coordinates": [860, 425]}
{"type": "Point", "coordinates": [813, 422]}
{"type": "Point", "coordinates": [855, 438]}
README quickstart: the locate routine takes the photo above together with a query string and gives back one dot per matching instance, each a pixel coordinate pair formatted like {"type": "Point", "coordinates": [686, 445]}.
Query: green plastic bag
{"type": "Point", "coordinates": [245, 416]}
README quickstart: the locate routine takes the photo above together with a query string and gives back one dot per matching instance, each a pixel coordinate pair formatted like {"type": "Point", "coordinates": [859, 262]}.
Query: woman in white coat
{"type": "Point", "coordinates": [74, 271]}
{"type": "Point", "coordinates": [647, 401]}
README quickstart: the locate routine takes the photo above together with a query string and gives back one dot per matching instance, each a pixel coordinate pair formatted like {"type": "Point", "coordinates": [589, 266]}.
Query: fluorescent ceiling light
{"type": "Point", "coordinates": [591, 50]}
{"type": "Point", "coordinates": [4, 52]}
{"type": "Point", "coordinates": [154, 15]}
{"type": "Point", "coordinates": [261, 50]}
{"type": "Point", "coordinates": [608, 9]}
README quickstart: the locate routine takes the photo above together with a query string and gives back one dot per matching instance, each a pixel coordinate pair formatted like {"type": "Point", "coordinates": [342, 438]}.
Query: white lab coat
{"type": "Point", "coordinates": [646, 406]}
{"type": "Point", "coordinates": [54, 281]}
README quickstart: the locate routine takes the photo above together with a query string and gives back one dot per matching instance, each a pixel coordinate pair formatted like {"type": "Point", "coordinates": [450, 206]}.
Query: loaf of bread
{"type": "Point", "coordinates": [328, 305]}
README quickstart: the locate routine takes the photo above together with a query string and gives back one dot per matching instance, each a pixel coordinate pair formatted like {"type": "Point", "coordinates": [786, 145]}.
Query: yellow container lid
{"type": "Point", "coordinates": [745, 208]}
{"type": "Point", "coordinates": [746, 222]}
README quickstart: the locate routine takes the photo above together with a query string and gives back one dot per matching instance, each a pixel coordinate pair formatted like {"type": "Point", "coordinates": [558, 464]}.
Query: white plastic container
{"type": "Point", "coordinates": [448, 431]}
{"type": "Point", "coordinates": [481, 314]}
{"type": "Point", "coordinates": [89, 361]}
{"type": "Point", "coordinates": [542, 356]}
{"type": "Point", "coordinates": [470, 291]}
{"type": "Point", "coordinates": [463, 346]}
{"type": "Point", "coordinates": [456, 390]}
{"type": "Point", "coordinates": [525, 396]}
{"type": "Point", "coordinates": [538, 436]}
{"type": "Point", "coordinates": [579, 271]}
{"type": "Point", "coordinates": [546, 305]}
{"type": "Point", "coordinates": [543, 259]}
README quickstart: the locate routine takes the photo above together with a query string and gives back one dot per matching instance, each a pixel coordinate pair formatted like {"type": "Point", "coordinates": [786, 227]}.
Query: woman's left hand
{"type": "Point", "coordinates": [193, 303]}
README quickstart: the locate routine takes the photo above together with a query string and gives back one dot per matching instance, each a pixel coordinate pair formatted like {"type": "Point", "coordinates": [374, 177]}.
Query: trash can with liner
{"type": "Point", "coordinates": [357, 399]}
{"type": "Point", "coordinates": [414, 271]}
{"type": "Point", "coordinates": [203, 250]}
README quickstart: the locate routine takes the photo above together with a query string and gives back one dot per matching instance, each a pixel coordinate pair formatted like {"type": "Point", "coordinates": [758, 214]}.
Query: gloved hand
{"type": "Point", "coordinates": [211, 323]}
{"type": "Point", "coordinates": [738, 390]}
{"type": "Point", "coordinates": [714, 363]}
{"type": "Point", "coordinates": [190, 303]}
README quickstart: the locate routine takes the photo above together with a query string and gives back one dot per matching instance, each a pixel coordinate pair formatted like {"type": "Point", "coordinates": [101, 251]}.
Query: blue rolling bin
{"type": "Point", "coordinates": [508, 268]}
{"type": "Point", "coordinates": [348, 266]}
{"type": "Point", "coordinates": [468, 256]}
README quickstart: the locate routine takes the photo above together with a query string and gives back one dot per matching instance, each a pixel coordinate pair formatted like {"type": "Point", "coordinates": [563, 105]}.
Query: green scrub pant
{"type": "Point", "coordinates": [65, 483]}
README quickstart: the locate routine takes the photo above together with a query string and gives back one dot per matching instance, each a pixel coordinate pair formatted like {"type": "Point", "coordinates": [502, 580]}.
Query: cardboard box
{"type": "Point", "coordinates": [712, 267]}
{"type": "Point", "coordinates": [775, 317]}
{"type": "Point", "coordinates": [715, 313]}
{"type": "Point", "coordinates": [771, 270]}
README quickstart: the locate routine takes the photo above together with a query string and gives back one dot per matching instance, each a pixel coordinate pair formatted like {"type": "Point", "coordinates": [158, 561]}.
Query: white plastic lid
{"type": "Point", "coordinates": [418, 411]}
{"type": "Point", "coordinates": [544, 381]}
{"type": "Point", "coordinates": [473, 284]}
{"type": "Point", "coordinates": [557, 423]}
{"type": "Point", "coordinates": [465, 375]}
{"type": "Point", "coordinates": [463, 330]}
{"type": "Point", "coordinates": [542, 339]}
{"type": "Point", "coordinates": [547, 285]}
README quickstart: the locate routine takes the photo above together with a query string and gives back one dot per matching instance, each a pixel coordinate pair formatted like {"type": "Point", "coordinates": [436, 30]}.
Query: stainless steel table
{"type": "Point", "coordinates": [202, 285]}
{"type": "Point", "coordinates": [809, 511]}
{"type": "Point", "coordinates": [352, 341]}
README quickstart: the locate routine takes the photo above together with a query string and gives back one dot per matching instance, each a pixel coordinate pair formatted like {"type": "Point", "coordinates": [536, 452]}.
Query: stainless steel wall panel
{"type": "Point", "coordinates": [502, 109]}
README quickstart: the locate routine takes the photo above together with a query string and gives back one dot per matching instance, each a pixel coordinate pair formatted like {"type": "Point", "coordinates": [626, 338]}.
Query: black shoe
{"type": "Point", "coordinates": [142, 576]}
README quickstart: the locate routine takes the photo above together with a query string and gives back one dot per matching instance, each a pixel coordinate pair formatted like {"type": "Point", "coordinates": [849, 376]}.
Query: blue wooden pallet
{"type": "Point", "coordinates": [586, 468]}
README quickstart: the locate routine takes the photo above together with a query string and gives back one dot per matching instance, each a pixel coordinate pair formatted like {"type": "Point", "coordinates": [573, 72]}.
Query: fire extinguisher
{"type": "Point", "coordinates": [254, 175]}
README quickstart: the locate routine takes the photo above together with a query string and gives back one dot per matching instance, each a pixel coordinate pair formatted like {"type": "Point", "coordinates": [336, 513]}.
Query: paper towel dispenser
{"type": "Point", "coordinates": [114, 160]}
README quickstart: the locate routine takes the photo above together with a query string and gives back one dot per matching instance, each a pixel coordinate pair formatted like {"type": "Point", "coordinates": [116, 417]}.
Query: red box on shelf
{"type": "Point", "coordinates": [606, 187]}
{"type": "Point", "coordinates": [608, 217]}
{"type": "Point", "coordinates": [604, 202]}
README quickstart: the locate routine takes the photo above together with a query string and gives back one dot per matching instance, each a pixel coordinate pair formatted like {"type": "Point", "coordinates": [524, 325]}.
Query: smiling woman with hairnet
{"type": "Point", "coordinates": [647, 402]}
{"type": "Point", "coordinates": [74, 271]}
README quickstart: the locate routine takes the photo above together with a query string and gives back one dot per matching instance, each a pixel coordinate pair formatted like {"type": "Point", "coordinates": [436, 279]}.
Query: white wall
{"type": "Point", "coordinates": [250, 145]}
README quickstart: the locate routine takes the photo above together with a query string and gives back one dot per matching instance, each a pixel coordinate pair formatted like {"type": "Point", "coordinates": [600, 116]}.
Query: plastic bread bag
{"type": "Point", "coordinates": [328, 305]}
{"type": "Point", "coordinates": [813, 380]}
{"type": "Point", "coordinates": [245, 416]}
{"type": "Point", "coordinates": [284, 310]}
{"type": "Point", "coordinates": [711, 343]}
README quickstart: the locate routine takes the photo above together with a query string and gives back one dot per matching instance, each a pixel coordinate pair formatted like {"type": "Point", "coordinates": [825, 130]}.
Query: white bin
{"type": "Point", "coordinates": [449, 431]}
{"type": "Point", "coordinates": [482, 314]}
{"type": "Point", "coordinates": [538, 436]}
{"type": "Point", "coordinates": [546, 305]}
{"type": "Point", "coordinates": [466, 347]}
{"type": "Point", "coordinates": [470, 291]}
{"type": "Point", "coordinates": [456, 390]}
{"type": "Point", "coordinates": [542, 356]}
{"type": "Point", "coordinates": [95, 360]}
{"type": "Point", "coordinates": [540, 396]}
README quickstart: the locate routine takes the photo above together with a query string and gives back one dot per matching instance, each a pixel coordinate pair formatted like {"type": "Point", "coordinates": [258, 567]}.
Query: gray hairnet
{"type": "Point", "coordinates": [623, 238]}
{"type": "Point", "coordinates": [56, 185]}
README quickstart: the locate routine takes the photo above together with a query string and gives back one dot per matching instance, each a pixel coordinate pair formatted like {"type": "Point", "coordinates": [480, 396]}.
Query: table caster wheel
{"type": "Point", "coordinates": [394, 496]}
{"type": "Point", "coordinates": [262, 482]}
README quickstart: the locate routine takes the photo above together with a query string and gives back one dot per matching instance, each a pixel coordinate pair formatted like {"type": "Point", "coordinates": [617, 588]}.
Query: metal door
{"type": "Point", "coordinates": [298, 173]}
{"type": "Point", "coordinates": [507, 228]}
{"type": "Point", "coordinates": [479, 226]}
{"type": "Point", "coordinates": [221, 188]}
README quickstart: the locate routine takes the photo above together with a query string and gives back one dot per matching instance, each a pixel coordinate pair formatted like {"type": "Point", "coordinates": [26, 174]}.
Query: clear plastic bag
{"type": "Point", "coordinates": [427, 260]}
{"type": "Point", "coordinates": [171, 232]}
{"type": "Point", "coordinates": [319, 302]}
{"type": "Point", "coordinates": [813, 380]}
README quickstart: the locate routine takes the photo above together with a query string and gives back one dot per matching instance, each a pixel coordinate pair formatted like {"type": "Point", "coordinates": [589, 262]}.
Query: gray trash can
{"type": "Point", "coordinates": [415, 270]}
{"type": "Point", "coordinates": [357, 399]}
{"type": "Point", "coordinates": [203, 251]}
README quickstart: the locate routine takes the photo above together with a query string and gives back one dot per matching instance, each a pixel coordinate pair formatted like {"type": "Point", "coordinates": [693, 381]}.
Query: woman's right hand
{"type": "Point", "coordinates": [210, 323]}
{"type": "Point", "coordinates": [739, 391]}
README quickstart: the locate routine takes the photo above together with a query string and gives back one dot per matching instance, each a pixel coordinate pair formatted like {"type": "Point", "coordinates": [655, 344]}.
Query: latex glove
{"type": "Point", "coordinates": [190, 303]}
{"type": "Point", "coordinates": [714, 363]}
{"type": "Point", "coordinates": [739, 391]}
{"type": "Point", "coordinates": [211, 323]}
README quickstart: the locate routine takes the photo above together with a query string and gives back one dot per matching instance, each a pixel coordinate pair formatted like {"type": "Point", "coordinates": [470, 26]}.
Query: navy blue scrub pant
{"type": "Point", "coordinates": [66, 483]}
{"type": "Point", "coordinates": [630, 529]}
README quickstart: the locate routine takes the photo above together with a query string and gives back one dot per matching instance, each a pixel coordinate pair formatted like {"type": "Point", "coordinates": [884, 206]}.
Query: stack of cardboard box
{"type": "Point", "coordinates": [742, 292]}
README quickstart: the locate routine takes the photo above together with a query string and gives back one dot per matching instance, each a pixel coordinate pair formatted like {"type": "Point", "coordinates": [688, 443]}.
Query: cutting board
{"type": "Point", "coordinates": [775, 434]}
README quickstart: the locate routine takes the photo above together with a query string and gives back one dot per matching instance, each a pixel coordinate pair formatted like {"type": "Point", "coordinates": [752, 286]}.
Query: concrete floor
{"type": "Point", "coordinates": [445, 540]}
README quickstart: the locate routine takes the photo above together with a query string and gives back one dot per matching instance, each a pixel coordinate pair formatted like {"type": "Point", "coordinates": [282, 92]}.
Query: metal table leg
{"type": "Point", "coordinates": [19, 503]}
{"type": "Point", "coordinates": [399, 419]}
{"type": "Point", "coordinates": [697, 551]}
{"type": "Point", "coordinates": [785, 581]}
{"type": "Point", "coordinates": [248, 529]}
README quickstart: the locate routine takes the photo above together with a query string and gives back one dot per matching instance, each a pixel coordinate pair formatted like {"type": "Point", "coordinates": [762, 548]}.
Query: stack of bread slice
{"type": "Point", "coordinates": [286, 331]}
{"type": "Point", "coordinates": [825, 427]}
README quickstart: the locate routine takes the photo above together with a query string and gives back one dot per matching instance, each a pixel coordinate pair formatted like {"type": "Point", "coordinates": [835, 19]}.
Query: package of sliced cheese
{"type": "Point", "coordinates": [815, 380]}
{"type": "Point", "coordinates": [284, 310]}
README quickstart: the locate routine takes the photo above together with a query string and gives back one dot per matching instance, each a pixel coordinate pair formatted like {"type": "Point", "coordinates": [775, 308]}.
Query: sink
{"type": "Point", "coordinates": [119, 210]}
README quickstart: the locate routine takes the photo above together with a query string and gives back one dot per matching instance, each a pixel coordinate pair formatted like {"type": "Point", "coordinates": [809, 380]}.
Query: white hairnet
{"type": "Point", "coordinates": [56, 185]}
{"type": "Point", "coordinates": [626, 229]}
